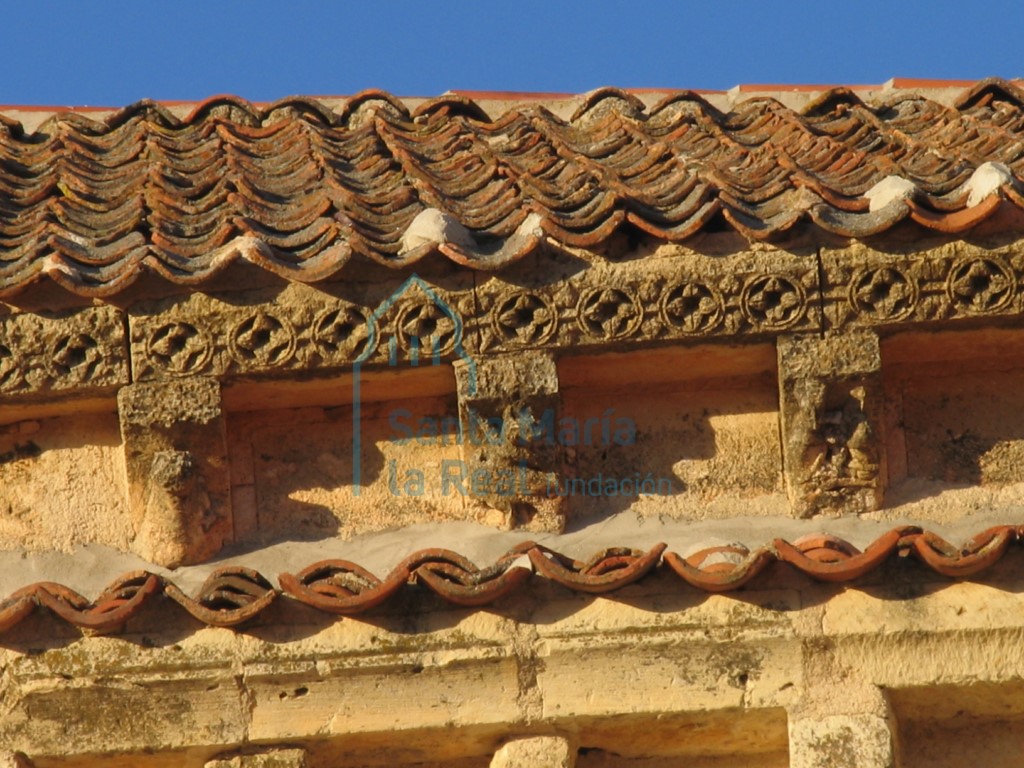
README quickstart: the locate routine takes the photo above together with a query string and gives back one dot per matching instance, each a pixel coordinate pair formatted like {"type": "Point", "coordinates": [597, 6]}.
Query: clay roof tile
{"type": "Point", "coordinates": [233, 595]}
{"type": "Point", "coordinates": [301, 188]}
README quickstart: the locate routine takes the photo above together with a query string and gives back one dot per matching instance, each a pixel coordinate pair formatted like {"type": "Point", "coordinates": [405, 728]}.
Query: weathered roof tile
{"type": "Point", "coordinates": [233, 595]}
{"type": "Point", "coordinates": [299, 189]}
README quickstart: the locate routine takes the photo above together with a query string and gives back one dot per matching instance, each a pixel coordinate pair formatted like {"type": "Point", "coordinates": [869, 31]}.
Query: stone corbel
{"type": "Point", "coordinates": [830, 399]}
{"type": "Point", "coordinates": [177, 469]}
{"type": "Point", "coordinates": [508, 413]}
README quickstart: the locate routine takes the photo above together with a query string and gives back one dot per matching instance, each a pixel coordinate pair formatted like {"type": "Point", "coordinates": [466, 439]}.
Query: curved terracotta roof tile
{"type": "Point", "coordinates": [299, 189]}
{"type": "Point", "coordinates": [720, 569]}
{"type": "Point", "coordinates": [607, 571]}
{"type": "Point", "coordinates": [233, 595]}
{"type": "Point", "coordinates": [828, 558]}
{"type": "Point", "coordinates": [227, 598]}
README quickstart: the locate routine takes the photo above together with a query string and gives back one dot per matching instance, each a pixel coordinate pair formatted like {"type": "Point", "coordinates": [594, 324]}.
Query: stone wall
{"type": "Point", "coordinates": [780, 383]}
{"type": "Point", "coordinates": [785, 673]}
{"type": "Point", "coordinates": [775, 390]}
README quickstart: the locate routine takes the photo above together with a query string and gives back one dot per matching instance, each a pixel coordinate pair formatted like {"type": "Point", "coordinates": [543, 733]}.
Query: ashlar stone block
{"type": "Point", "coordinates": [842, 741]}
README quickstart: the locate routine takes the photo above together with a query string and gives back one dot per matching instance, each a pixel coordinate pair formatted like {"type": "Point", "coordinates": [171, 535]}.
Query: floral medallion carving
{"type": "Point", "coordinates": [883, 293]}
{"type": "Point", "coordinates": [427, 328]}
{"type": "Point", "coordinates": [773, 302]}
{"type": "Point", "coordinates": [980, 285]}
{"type": "Point", "coordinates": [525, 318]}
{"type": "Point", "coordinates": [691, 307]}
{"type": "Point", "coordinates": [179, 348]}
{"type": "Point", "coordinates": [262, 339]}
{"type": "Point", "coordinates": [75, 357]}
{"type": "Point", "coordinates": [341, 332]}
{"type": "Point", "coordinates": [609, 313]}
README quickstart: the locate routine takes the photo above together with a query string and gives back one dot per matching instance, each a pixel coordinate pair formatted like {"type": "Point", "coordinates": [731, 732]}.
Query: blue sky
{"type": "Point", "coordinates": [74, 53]}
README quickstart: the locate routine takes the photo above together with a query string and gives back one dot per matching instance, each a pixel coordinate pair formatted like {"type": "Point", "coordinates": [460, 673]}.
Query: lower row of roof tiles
{"type": "Point", "coordinates": [300, 189]}
{"type": "Point", "coordinates": [234, 595]}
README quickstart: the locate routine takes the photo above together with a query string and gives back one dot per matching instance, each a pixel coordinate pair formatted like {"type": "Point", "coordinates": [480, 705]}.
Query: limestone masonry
{"type": "Point", "coordinates": [629, 429]}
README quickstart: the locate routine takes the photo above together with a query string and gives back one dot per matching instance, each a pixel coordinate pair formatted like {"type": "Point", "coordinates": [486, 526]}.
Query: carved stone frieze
{"type": "Point", "coordinates": [680, 296]}
{"type": "Point", "coordinates": [955, 281]}
{"type": "Point", "coordinates": [671, 294]}
{"type": "Point", "coordinates": [300, 328]}
{"type": "Point", "coordinates": [83, 350]}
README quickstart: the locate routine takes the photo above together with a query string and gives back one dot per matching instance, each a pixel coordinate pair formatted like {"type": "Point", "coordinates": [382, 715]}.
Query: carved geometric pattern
{"type": "Point", "coordinates": [980, 285]}
{"type": "Point", "coordinates": [630, 303]}
{"type": "Point", "coordinates": [644, 303]}
{"type": "Point", "coordinates": [884, 293]}
{"type": "Point", "coordinates": [300, 328]}
{"type": "Point", "coordinates": [609, 313]}
{"type": "Point", "coordinates": [526, 318]}
{"type": "Point", "coordinates": [865, 288]}
{"type": "Point", "coordinates": [692, 307]}
{"type": "Point", "coordinates": [180, 348]}
{"type": "Point", "coordinates": [82, 349]}
{"type": "Point", "coordinates": [262, 340]}
{"type": "Point", "coordinates": [773, 301]}
{"type": "Point", "coordinates": [341, 332]}
{"type": "Point", "coordinates": [427, 328]}
{"type": "Point", "coordinates": [75, 356]}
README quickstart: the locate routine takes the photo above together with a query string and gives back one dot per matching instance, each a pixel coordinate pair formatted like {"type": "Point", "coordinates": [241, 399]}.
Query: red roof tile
{"type": "Point", "coordinates": [300, 189]}
{"type": "Point", "coordinates": [234, 595]}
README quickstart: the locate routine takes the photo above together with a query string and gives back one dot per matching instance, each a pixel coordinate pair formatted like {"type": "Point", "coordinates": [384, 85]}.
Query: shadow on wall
{"type": "Point", "coordinates": [303, 473]}
{"type": "Point", "coordinates": [668, 451]}
{"type": "Point", "coordinates": [965, 430]}
{"type": "Point", "coordinates": [698, 446]}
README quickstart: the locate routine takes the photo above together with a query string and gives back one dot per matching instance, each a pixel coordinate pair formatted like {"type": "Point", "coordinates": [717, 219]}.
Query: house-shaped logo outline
{"type": "Point", "coordinates": [372, 341]}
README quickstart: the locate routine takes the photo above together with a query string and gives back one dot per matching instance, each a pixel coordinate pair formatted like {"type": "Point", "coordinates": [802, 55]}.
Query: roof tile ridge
{"type": "Point", "coordinates": [865, 115]}
{"type": "Point", "coordinates": [450, 105]}
{"type": "Point", "coordinates": [234, 594]}
{"type": "Point", "coordinates": [424, 187]}
{"type": "Point", "coordinates": [753, 104]}
{"type": "Point", "coordinates": [688, 96]}
{"type": "Point", "coordinates": [873, 114]}
{"type": "Point", "coordinates": [473, 132]}
{"type": "Point", "coordinates": [87, 126]}
{"type": "Point", "coordinates": [305, 105]}
{"type": "Point", "coordinates": [472, 108]}
{"type": "Point", "coordinates": [564, 146]}
{"type": "Point", "coordinates": [150, 110]}
{"type": "Point", "coordinates": [985, 88]}
{"type": "Point", "coordinates": [357, 103]}
{"type": "Point", "coordinates": [823, 105]}
{"type": "Point", "coordinates": [592, 99]}
{"type": "Point", "coordinates": [203, 109]}
{"type": "Point", "coordinates": [831, 99]}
